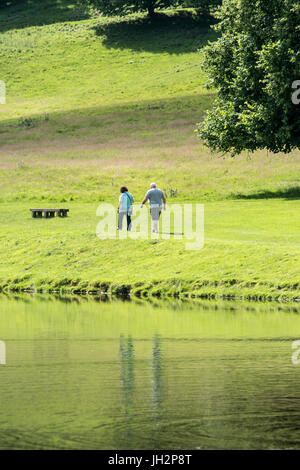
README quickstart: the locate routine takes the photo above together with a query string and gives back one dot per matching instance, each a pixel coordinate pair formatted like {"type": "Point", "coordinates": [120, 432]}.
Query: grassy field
{"type": "Point", "coordinates": [95, 103]}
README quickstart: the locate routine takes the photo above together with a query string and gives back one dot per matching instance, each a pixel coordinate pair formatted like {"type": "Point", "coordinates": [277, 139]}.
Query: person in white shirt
{"type": "Point", "coordinates": [157, 200]}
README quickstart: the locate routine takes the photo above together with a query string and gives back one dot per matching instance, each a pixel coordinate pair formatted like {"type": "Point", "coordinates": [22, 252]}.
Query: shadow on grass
{"type": "Point", "coordinates": [164, 109]}
{"type": "Point", "coordinates": [24, 13]}
{"type": "Point", "coordinates": [283, 193]}
{"type": "Point", "coordinates": [176, 33]}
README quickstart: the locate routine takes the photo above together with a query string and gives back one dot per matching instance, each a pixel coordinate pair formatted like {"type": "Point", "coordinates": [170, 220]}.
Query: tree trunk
{"type": "Point", "coordinates": [151, 11]}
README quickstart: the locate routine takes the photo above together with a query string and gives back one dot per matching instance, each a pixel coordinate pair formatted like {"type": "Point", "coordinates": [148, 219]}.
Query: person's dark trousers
{"type": "Point", "coordinates": [128, 222]}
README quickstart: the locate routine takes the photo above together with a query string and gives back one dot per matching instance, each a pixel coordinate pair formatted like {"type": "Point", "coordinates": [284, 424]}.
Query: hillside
{"type": "Point", "coordinates": [94, 103]}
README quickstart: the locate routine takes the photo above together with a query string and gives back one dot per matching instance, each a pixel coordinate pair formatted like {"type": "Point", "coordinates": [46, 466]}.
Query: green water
{"type": "Point", "coordinates": [82, 374]}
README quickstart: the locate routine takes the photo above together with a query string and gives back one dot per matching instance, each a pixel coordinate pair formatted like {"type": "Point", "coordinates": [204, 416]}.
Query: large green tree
{"type": "Point", "coordinates": [253, 66]}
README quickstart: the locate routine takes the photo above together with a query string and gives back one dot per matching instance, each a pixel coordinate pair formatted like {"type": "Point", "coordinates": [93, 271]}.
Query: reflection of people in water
{"type": "Point", "coordinates": [127, 370]}
{"type": "Point", "coordinates": [157, 374]}
{"type": "Point", "coordinates": [127, 435]}
{"type": "Point", "coordinates": [157, 392]}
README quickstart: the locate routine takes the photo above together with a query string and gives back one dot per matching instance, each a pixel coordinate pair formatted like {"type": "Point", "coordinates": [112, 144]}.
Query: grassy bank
{"type": "Point", "coordinates": [95, 103]}
{"type": "Point", "coordinates": [244, 254]}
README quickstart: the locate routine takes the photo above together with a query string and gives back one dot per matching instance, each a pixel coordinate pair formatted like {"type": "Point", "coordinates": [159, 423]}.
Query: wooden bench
{"type": "Point", "coordinates": [47, 213]}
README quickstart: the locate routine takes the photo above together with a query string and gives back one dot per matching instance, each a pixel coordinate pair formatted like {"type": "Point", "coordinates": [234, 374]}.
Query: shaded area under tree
{"type": "Point", "coordinates": [18, 14]}
{"type": "Point", "coordinates": [164, 33]}
{"type": "Point", "coordinates": [293, 192]}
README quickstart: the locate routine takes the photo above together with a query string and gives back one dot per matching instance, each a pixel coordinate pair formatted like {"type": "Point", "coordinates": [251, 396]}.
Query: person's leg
{"type": "Point", "coordinates": [156, 221]}
{"type": "Point", "coordinates": [151, 213]}
{"type": "Point", "coordinates": [128, 222]}
{"type": "Point", "coordinates": [120, 223]}
{"type": "Point", "coordinates": [155, 217]}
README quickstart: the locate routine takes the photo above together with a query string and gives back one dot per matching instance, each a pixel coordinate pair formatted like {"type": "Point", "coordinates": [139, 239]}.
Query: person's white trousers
{"type": "Point", "coordinates": [155, 211]}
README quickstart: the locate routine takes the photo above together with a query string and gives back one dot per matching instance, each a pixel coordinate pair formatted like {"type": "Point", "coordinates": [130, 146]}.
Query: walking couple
{"type": "Point", "coordinates": [156, 200]}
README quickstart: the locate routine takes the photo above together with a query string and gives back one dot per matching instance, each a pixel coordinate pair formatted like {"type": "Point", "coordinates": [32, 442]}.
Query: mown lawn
{"type": "Point", "coordinates": [95, 103]}
{"type": "Point", "coordinates": [73, 65]}
{"type": "Point", "coordinates": [251, 248]}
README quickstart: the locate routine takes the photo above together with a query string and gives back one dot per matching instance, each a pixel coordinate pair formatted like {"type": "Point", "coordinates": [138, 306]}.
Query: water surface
{"type": "Point", "coordinates": [85, 374]}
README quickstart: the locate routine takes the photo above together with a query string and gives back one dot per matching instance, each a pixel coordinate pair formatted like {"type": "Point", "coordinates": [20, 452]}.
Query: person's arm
{"type": "Point", "coordinates": [144, 200]}
{"type": "Point", "coordinates": [119, 205]}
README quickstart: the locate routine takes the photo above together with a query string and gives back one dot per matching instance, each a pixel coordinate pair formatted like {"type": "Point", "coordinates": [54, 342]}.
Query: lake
{"type": "Point", "coordinates": [85, 373]}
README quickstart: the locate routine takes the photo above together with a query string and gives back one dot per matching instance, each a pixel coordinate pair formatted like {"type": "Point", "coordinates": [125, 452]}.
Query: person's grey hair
{"type": "Point", "coordinates": [152, 185]}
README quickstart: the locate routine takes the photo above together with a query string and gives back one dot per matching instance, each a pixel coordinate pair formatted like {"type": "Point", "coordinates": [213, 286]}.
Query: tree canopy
{"type": "Point", "coordinates": [124, 7]}
{"type": "Point", "coordinates": [253, 66]}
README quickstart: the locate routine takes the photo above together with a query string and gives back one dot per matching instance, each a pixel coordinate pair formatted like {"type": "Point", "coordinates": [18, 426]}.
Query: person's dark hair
{"type": "Point", "coordinates": [123, 189]}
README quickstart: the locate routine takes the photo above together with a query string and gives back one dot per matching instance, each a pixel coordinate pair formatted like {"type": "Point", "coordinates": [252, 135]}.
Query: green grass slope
{"type": "Point", "coordinates": [95, 103]}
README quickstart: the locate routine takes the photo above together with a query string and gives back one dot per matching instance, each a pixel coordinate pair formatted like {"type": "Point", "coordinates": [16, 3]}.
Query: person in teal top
{"type": "Point", "coordinates": [125, 207]}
